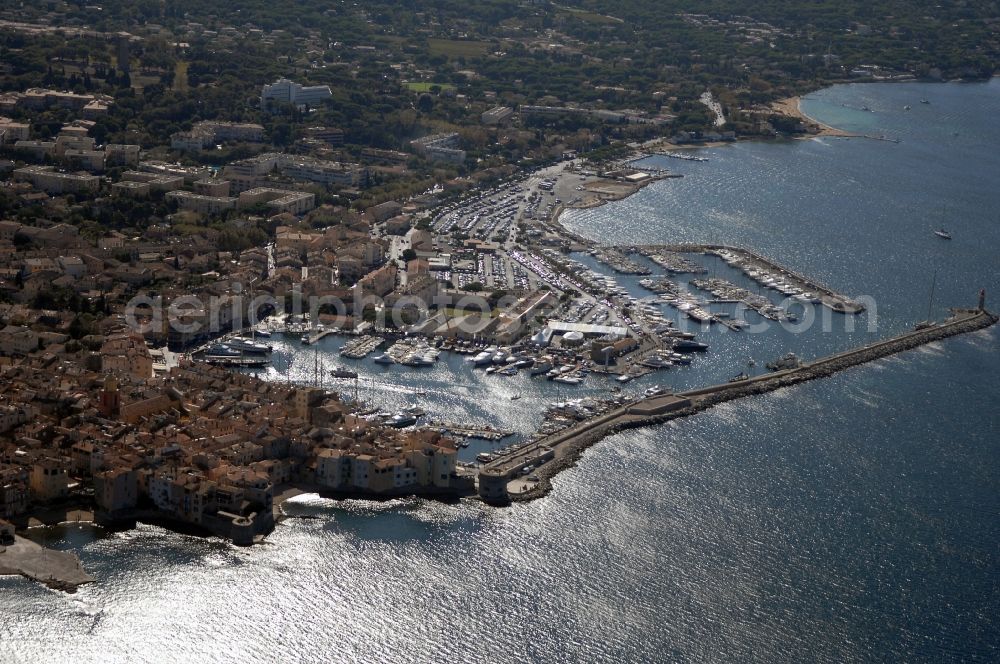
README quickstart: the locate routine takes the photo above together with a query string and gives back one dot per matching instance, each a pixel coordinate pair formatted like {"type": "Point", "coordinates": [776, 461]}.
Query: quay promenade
{"type": "Point", "coordinates": [60, 570]}
{"type": "Point", "coordinates": [561, 450]}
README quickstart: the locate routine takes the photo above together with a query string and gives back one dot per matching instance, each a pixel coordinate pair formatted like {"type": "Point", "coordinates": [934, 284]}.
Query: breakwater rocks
{"type": "Point", "coordinates": [570, 450]}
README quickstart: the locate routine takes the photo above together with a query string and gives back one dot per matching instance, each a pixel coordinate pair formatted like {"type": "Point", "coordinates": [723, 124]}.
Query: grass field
{"type": "Point", "coordinates": [591, 17]}
{"type": "Point", "coordinates": [181, 76]}
{"type": "Point", "coordinates": [451, 312]}
{"type": "Point", "coordinates": [425, 86]}
{"type": "Point", "coordinates": [456, 48]}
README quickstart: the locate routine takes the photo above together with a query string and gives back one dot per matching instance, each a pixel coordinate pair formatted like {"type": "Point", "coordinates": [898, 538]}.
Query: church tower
{"type": "Point", "coordinates": [110, 398]}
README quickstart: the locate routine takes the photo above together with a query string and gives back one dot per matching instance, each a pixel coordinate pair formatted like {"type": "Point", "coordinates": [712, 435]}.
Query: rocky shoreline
{"type": "Point", "coordinates": [59, 570]}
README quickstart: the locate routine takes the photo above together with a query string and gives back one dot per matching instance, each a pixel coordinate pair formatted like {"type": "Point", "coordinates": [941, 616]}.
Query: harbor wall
{"type": "Point", "coordinates": [573, 444]}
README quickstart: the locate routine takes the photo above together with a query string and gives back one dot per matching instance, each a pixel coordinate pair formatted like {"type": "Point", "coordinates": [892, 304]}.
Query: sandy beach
{"type": "Point", "coordinates": [792, 107]}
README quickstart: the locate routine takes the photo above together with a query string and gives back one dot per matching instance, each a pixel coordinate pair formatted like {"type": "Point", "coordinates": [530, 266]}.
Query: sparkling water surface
{"type": "Point", "coordinates": [849, 519]}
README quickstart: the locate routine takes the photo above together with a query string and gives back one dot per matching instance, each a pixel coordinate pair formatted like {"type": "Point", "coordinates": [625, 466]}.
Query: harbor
{"type": "Point", "coordinates": [618, 261]}
{"type": "Point", "coordinates": [807, 502]}
{"type": "Point", "coordinates": [764, 271]}
{"type": "Point", "coordinates": [481, 431]}
{"type": "Point", "coordinates": [566, 354]}
{"type": "Point", "coordinates": [547, 455]}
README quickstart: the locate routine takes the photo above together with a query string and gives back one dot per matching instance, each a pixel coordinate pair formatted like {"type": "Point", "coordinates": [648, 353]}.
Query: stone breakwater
{"type": "Point", "coordinates": [60, 570]}
{"type": "Point", "coordinates": [572, 448]}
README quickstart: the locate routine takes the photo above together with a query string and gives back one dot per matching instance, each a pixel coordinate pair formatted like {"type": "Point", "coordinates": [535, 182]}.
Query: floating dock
{"type": "Point", "coordinates": [618, 261]}
{"type": "Point", "coordinates": [828, 297]}
{"type": "Point", "coordinates": [315, 337]}
{"type": "Point", "coordinates": [484, 432]}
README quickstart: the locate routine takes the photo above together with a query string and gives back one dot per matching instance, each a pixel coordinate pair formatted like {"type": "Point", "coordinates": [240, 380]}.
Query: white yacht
{"type": "Point", "coordinates": [482, 359]}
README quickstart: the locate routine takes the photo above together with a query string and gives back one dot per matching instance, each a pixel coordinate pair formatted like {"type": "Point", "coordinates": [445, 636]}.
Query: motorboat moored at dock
{"type": "Point", "coordinates": [402, 419]}
{"type": "Point", "coordinates": [221, 350]}
{"type": "Point", "coordinates": [247, 346]}
{"type": "Point", "coordinates": [690, 345]}
{"type": "Point", "coordinates": [482, 359]}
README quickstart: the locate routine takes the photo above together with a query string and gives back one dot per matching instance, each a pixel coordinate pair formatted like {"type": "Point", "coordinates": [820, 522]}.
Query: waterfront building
{"type": "Point", "coordinates": [379, 282]}
{"type": "Point", "coordinates": [14, 491]}
{"type": "Point", "coordinates": [49, 480]}
{"type": "Point", "coordinates": [513, 323]}
{"type": "Point", "coordinates": [332, 468]}
{"type": "Point", "coordinates": [116, 489]}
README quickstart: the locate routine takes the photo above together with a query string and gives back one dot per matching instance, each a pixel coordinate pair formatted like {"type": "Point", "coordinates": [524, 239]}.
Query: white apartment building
{"type": "Point", "coordinates": [187, 200]}
{"type": "Point", "coordinates": [278, 200]}
{"type": "Point", "coordinates": [45, 179]}
{"type": "Point", "coordinates": [284, 90]}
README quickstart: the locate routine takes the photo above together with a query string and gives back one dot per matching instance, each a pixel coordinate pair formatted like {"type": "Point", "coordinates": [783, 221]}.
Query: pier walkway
{"type": "Point", "coordinates": [57, 569]}
{"type": "Point", "coordinates": [315, 337]}
{"type": "Point", "coordinates": [828, 297]}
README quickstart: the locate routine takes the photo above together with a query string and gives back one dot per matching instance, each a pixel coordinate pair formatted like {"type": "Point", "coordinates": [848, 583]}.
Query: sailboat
{"type": "Point", "coordinates": [941, 232]}
{"type": "Point", "coordinates": [924, 324]}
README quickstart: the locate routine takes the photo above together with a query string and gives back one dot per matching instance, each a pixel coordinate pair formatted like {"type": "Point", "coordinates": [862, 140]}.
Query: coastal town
{"type": "Point", "coordinates": [140, 282]}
